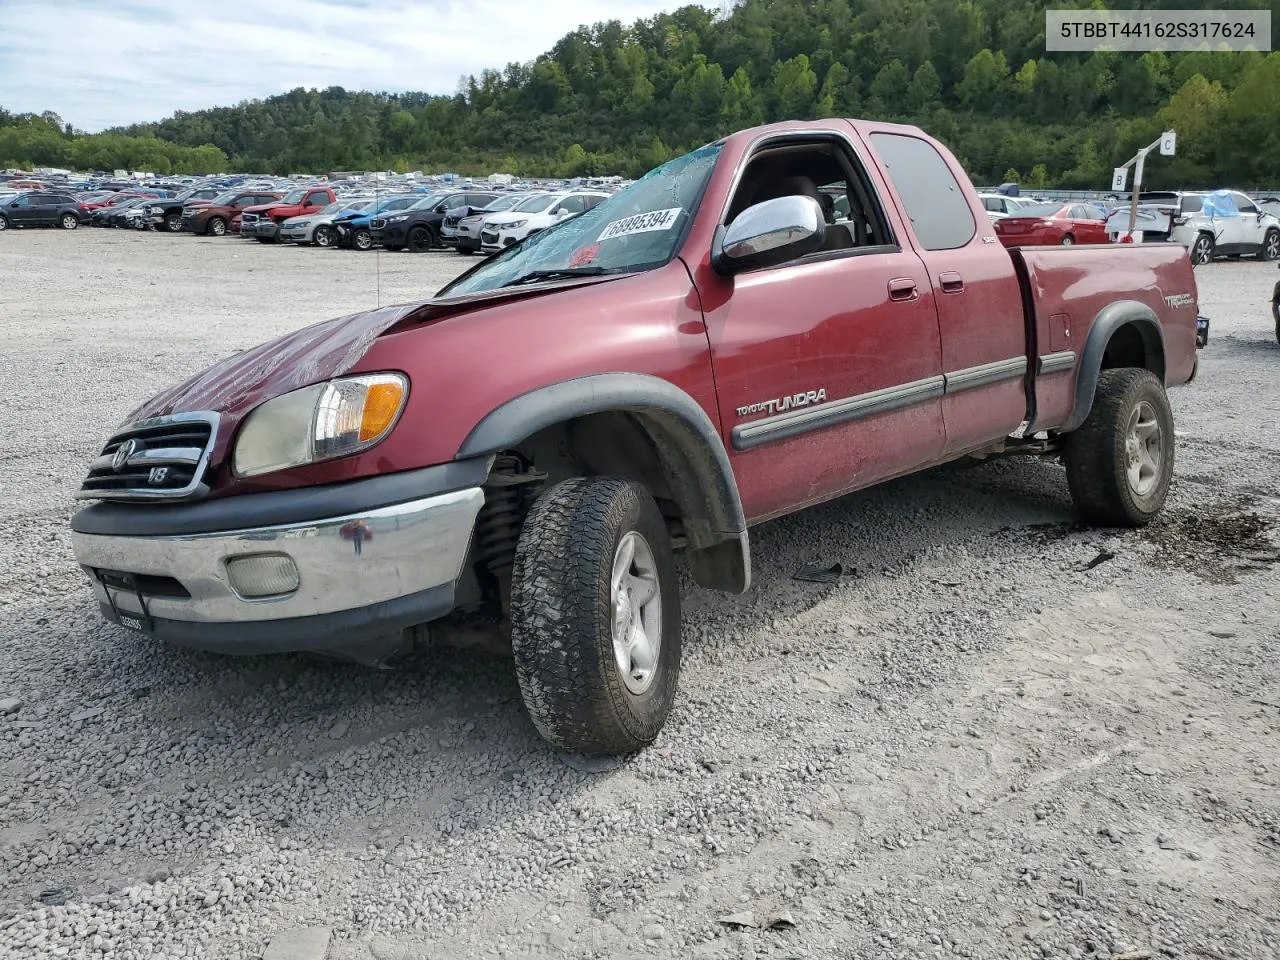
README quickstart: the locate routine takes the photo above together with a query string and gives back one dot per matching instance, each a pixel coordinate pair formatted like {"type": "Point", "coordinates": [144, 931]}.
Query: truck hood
{"type": "Point", "coordinates": [315, 353]}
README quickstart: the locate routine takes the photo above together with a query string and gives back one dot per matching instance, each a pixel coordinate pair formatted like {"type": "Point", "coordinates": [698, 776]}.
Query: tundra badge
{"type": "Point", "coordinates": [782, 404]}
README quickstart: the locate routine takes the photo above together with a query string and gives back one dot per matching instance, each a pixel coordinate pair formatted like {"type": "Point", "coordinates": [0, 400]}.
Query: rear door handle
{"type": "Point", "coordinates": [951, 282]}
{"type": "Point", "coordinates": [903, 288]}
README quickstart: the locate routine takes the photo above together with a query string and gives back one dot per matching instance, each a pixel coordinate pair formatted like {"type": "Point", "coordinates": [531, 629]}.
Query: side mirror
{"type": "Point", "coordinates": [766, 234]}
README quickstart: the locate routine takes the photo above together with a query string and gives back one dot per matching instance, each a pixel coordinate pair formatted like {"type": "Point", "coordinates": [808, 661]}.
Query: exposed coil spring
{"type": "Point", "coordinates": [513, 485]}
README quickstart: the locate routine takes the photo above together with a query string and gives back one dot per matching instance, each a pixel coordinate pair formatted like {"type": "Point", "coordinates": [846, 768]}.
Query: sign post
{"type": "Point", "coordinates": [1167, 144]}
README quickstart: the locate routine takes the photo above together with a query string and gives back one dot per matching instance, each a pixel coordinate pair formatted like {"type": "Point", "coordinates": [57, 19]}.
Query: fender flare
{"type": "Point", "coordinates": [1110, 319]}
{"type": "Point", "coordinates": [697, 464]}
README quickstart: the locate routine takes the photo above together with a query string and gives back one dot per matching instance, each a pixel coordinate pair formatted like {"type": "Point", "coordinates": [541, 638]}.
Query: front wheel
{"type": "Point", "coordinates": [323, 236]}
{"type": "Point", "coordinates": [1120, 461]}
{"type": "Point", "coordinates": [362, 240]}
{"type": "Point", "coordinates": [1068, 240]}
{"type": "Point", "coordinates": [173, 222]}
{"type": "Point", "coordinates": [69, 221]}
{"type": "Point", "coordinates": [1202, 249]}
{"type": "Point", "coordinates": [1270, 249]}
{"type": "Point", "coordinates": [4, 222]}
{"type": "Point", "coordinates": [595, 616]}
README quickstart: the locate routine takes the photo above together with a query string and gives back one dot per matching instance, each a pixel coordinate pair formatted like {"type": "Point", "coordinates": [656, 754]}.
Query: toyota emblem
{"type": "Point", "coordinates": [123, 452]}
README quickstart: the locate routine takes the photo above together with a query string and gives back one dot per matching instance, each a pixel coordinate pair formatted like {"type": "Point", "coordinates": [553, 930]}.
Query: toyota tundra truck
{"type": "Point", "coordinates": [522, 455]}
{"type": "Point", "coordinates": [263, 222]}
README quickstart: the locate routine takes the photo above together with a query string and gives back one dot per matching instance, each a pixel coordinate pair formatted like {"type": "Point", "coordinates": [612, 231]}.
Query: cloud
{"type": "Point", "coordinates": [104, 63]}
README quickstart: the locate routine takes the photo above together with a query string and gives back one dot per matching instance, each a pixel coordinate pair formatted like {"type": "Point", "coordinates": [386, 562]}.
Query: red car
{"type": "Point", "coordinates": [1053, 224]}
{"type": "Point", "coordinates": [711, 347]}
{"type": "Point", "coordinates": [113, 199]}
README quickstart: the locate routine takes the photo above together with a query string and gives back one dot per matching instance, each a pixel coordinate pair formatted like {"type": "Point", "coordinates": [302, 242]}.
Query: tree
{"type": "Point", "coordinates": [925, 89]}
{"type": "Point", "coordinates": [885, 98]}
{"type": "Point", "coordinates": [986, 78]}
{"type": "Point", "coordinates": [794, 86]}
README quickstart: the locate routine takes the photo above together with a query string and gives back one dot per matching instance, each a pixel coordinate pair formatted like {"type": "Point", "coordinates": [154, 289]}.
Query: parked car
{"type": "Point", "coordinates": [39, 208]}
{"type": "Point", "coordinates": [317, 228]}
{"type": "Point", "coordinates": [521, 461]}
{"type": "Point", "coordinates": [533, 215]}
{"type": "Point", "coordinates": [263, 222]}
{"type": "Point", "coordinates": [354, 229]}
{"type": "Point", "coordinates": [1223, 223]}
{"type": "Point", "coordinates": [419, 227]}
{"type": "Point", "coordinates": [466, 235]}
{"type": "Point", "coordinates": [999, 206]}
{"type": "Point", "coordinates": [222, 214]}
{"type": "Point", "coordinates": [1053, 224]}
{"type": "Point", "coordinates": [167, 213]}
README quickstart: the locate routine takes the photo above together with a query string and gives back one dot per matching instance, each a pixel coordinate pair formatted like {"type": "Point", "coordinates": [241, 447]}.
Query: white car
{"type": "Point", "coordinates": [999, 206]}
{"type": "Point", "coordinates": [466, 231]}
{"type": "Point", "coordinates": [537, 213]}
{"type": "Point", "coordinates": [314, 227]}
{"type": "Point", "coordinates": [1219, 224]}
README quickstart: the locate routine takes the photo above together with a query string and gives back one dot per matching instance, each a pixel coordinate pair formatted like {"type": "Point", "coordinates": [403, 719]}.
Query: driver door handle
{"type": "Point", "coordinates": [903, 288]}
{"type": "Point", "coordinates": [951, 281]}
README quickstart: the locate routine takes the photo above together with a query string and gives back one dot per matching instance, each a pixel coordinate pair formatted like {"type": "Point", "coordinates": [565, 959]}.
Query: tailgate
{"type": "Point", "coordinates": [1065, 289]}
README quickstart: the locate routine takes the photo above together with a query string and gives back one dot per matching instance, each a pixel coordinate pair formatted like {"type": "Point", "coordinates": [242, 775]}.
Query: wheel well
{"type": "Point", "coordinates": [1134, 345]}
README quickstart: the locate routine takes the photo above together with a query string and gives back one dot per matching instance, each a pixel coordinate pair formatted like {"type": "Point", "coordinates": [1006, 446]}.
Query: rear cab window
{"type": "Point", "coordinates": [935, 202]}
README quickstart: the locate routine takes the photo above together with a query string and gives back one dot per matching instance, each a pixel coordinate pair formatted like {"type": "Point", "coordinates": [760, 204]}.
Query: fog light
{"type": "Point", "coordinates": [263, 575]}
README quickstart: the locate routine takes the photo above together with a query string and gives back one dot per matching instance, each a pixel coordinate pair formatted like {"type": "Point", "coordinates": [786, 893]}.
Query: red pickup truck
{"type": "Point", "coordinates": [263, 222]}
{"type": "Point", "coordinates": [711, 347]}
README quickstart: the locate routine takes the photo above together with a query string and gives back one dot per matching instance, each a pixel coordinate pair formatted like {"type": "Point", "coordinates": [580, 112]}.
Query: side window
{"type": "Point", "coordinates": [42, 199]}
{"type": "Point", "coordinates": [22, 201]}
{"type": "Point", "coordinates": [317, 199]}
{"type": "Point", "coordinates": [592, 202]}
{"type": "Point", "coordinates": [935, 202]}
{"type": "Point", "coordinates": [571, 205]}
{"type": "Point", "coordinates": [1244, 204]}
{"type": "Point", "coordinates": [1078, 213]}
{"type": "Point", "coordinates": [993, 204]}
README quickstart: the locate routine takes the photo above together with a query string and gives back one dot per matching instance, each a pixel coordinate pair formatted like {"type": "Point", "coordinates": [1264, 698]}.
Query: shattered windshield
{"type": "Point", "coordinates": [638, 228]}
{"type": "Point", "coordinates": [294, 196]}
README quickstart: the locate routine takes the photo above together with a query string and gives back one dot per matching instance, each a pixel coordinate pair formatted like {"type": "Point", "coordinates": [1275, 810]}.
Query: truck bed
{"type": "Point", "coordinates": [1066, 289]}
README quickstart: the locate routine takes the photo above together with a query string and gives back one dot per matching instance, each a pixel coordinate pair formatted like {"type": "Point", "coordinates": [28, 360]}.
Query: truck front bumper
{"type": "Point", "coordinates": [294, 584]}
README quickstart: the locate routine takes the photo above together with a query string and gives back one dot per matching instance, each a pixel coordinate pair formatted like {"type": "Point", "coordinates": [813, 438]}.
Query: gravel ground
{"type": "Point", "coordinates": [975, 745]}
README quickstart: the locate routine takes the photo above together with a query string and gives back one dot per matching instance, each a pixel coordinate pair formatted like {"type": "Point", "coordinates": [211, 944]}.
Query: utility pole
{"type": "Point", "coordinates": [1167, 144]}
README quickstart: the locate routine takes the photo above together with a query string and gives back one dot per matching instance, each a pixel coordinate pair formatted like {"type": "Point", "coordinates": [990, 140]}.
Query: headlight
{"type": "Point", "coordinates": [513, 226]}
{"type": "Point", "coordinates": [320, 422]}
{"type": "Point", "coordinates": [302, 223]}
{"type": "Point", "coordinates": [403, 216]}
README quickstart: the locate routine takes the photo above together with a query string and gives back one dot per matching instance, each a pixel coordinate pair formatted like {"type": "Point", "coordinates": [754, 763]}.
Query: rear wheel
{"type": "Point", "coordinates": [173, 222]}
{"type": "Point", "coordinates": [1068, 240]}
{"type": "Point", "coordinates": [420, 239]}
{"type": "Point", "coordinates": [69, 221]}
{"type": "Point", "coordinates": [1120, 461]}
{"type": "Point", "coordinates": [4, 222]}
{"type": "Point", "coordinates": [362, 239]}
{"type": "Point", "coordinates": [1202, 249]}
{"type": "Point", "coordinates": [217, 227]}
{"type": "Point", "coordinates": [595, 616]}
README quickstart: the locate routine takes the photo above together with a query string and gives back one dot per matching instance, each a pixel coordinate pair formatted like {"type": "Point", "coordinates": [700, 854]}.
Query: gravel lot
{"type": "Point", "coordinates": [974, 746]}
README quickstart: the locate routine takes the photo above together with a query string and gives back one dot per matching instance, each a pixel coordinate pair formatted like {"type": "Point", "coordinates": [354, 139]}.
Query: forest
{"type": "Point", "coordinates": [618, 98]}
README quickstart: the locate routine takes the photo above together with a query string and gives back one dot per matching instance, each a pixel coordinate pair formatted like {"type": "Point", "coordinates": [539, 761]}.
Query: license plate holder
{"type": "Point", "coordinates": [138, 622]}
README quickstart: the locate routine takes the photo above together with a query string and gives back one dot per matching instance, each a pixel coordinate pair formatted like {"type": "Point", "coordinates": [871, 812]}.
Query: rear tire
{"type": "Point", "coordinates": [69, 221]}
{"type": "Point", "coordinates": [1120, 461]}
{"type": "Point", "coordinates": [595, 616]}
{"type": "Point", "coordinates": [420, 239]}
{"type": "Point", "coordinates": [4, 222]}
{"type": "Point", "coordinates": [1068, 240]}
{"type": "Point", "coordinates": [1202, 249]}
{"type": "Point", "coordinates": [217, 227]}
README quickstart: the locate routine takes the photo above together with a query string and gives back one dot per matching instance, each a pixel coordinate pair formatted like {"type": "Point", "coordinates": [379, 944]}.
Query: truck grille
{"type": "Point", "coordinates": [160, 459]}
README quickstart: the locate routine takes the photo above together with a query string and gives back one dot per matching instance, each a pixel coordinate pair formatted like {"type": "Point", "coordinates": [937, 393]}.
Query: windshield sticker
{"type": "Point", "coordinates": [641, 223]}
{"type": "Point", "coordinates": [585, 255]}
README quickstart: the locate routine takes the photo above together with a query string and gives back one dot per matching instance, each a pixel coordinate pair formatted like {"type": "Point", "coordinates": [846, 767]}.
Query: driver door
{"type": "Point", "coordinates": [20, 211]}
{"type": "Point", "coordinates": [828, 368]}
{"type": "Point", "coordinates": [1251, 229]}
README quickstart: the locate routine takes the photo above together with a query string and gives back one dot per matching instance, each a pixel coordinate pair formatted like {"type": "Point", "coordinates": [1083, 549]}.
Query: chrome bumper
{"type": "Point", "coordinates": [408, 548]}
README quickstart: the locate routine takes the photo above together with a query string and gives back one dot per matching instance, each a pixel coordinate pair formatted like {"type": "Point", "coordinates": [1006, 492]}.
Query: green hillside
{"type": "Point", "coordinates": [617, 98]}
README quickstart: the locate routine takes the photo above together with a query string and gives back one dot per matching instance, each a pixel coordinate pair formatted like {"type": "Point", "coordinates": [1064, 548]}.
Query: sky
{"type": "Point", "coordinates": [105, 63]}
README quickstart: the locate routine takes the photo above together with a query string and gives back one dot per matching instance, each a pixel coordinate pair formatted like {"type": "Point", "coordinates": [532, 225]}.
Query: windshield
{"type": "Point", "coordinates": [535, 204]}
{"type": "Point", "coordinates": [222, 199]}
{"type": "Point", "coordinates": [503, 203]}
{"type": "Point", "coordinates": [294, 196]}
{"type": "Point", "coordinates": [331, 208]}
{"type": "Point", "coordinates": [638, 228]}
{"type": "Point", "coordinates": [430, 200]}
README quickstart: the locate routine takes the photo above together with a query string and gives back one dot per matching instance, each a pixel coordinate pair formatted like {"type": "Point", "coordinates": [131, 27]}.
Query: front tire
{"type": "Point", "coordinates": [173, 222]}
{"type": "Point", "coordinates": [595, 616]}
{"type": "Point", "coordinates": [217, 227]}
{"type": "Point", "coordinates": [69, 221]}
{"type": "Point", "coordinates": [1120, 461]}
{"type": "Point", "coordinates": [1270, 249]}
{"type": "Point", "coordinates": [362, 240]}
{"type": "Point", "coordinates": [4, 222]}
{"type": "Point", "coordinates": [420, 239]}
{"type": "Point", "coordinates": [323, 236]}
{"type": "Point", "coordinates": [1202, 249]}
{"type": "Point", "coordinates": [1068, 240]}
